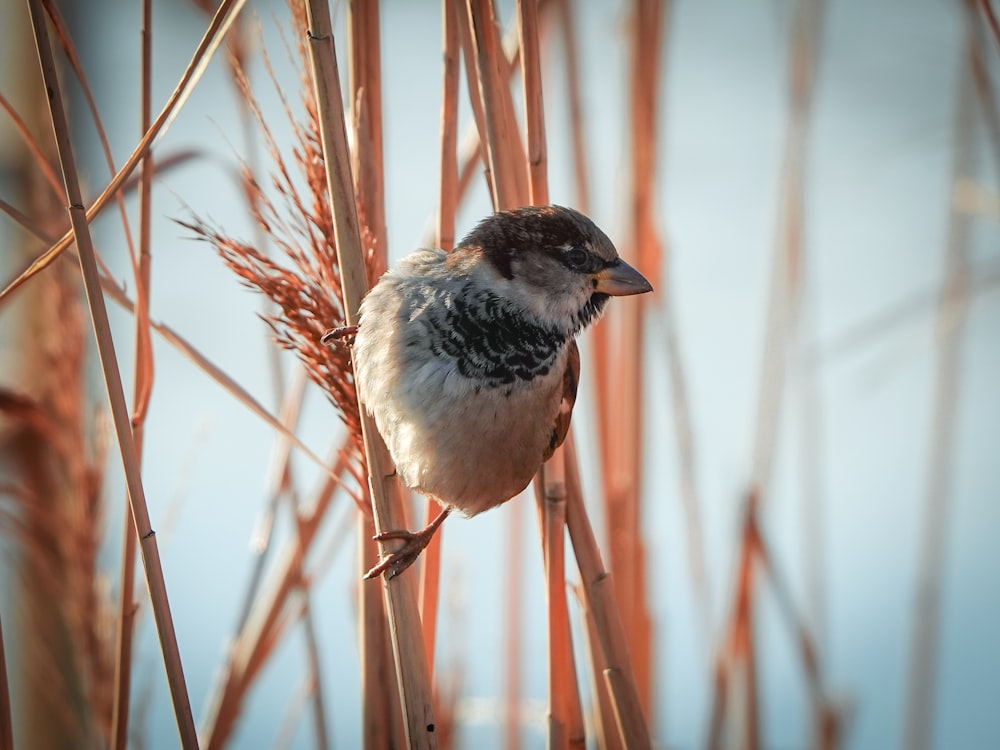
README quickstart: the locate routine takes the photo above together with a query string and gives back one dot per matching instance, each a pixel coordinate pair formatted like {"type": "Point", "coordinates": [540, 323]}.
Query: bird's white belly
{"type": "Point", "coordinates": [470, 450]}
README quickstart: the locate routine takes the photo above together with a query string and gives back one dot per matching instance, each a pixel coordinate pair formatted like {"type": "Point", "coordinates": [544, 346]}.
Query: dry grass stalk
{"type": "Point", "coordinates": [39, 157]}
{"type": "Point", "coordinates": [624, 470]}
{"type": "Point", "coordinates": [142, 389]}
{"type": "Point", "coordinates": [565, 720]}
{"type": "Point", "coordinates": [56, 521]}
{"type": "Point", "coordinates": [826, 717]}
{"type": "Point", "coordinates": [430, 572]}
{"type": "Point", "coordinates": [6, 726]}
{"type": "Point", "coordinates": [488, 78]}
{"type": "Point", "coordinates": [69, 49]}
{"type": "Point", "coordinates": [81, 235]}
{"type": "Point", "coordinates": [599, 594]}
{"type": "Point", "coordinates": [737, 649]}
{"type": "Point", "coordinates": [487, 65]}
{"type": "Point", "coordinates": [303, 292]}
{"type": "Point", "coordinates": [505, 162]}
{"type": "Point", "coordinates": [274, 609]}
{"type": "Point", "coordinates": [936, 523]}
{"type": "Point", "coordinates": [381, 708]}
{"type": "Point", "coordinates": [602, 713]}
{"type": "Point", "coordinates": [213, 371]}
{"type": "Point", "coordinates": [783, 313]}
{"type": "Point", "coordinates": [400, 593]}
{"type": "Point", "coordinates": [223, 19]}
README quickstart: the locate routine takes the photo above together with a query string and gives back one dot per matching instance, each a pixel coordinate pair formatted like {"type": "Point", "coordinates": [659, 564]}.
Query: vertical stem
{"type": "Point", "coordinates": [952, 309]}
{"type": "Point", "coordinates": [112, 379]}
{"type": "Point", "coordinates": [500, 141]}
{"type": "Point", "coordinates": [6, 727]}
{"type": "Point", "coordinates": [221, 21]}
{"type": "Point", "coordinates": [534, 109]}
{"type": "Point", "coordinates": [143, 383]}
{"type": "Point", "coordinates": [513, 622]}
{"type": "Point", "coordinates": [785, 297]}
{"type": "Point", "coordinates": [448, 195]}
{"type": "Point", "coordinates": [599, 594]}
{"type": "Point", "coordinates": [400, 593]}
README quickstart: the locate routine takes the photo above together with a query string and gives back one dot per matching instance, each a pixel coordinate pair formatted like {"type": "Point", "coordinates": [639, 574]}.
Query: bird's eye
{"type": "Point", "coordinates": [577, 258]}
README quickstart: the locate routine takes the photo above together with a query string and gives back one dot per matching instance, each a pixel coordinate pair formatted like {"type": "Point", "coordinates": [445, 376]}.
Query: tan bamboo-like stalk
{"type": "Point", "coordinates": [490, 69]}
{"type": "Point", "coordinates": [430, 573]}
{"type": "Point", "coordinates": [646, 134]}
{"type": "Point", "coordinates": [784, 303]}
{"type": "Point", "coordinates": [400, 593]}
{"type": "Point", "coordinates": [365, 86]}
{"type": "Point", "coordinates": [936, 522]}
{"type": "Point", "coordinates": [269, 614]}
{"type": "Point", "coordinates": [598, 587]}
{"type": "Point", "coordinates": [488, 78]}
{"type": "Point", "coordinates": [41, 161]}
{"type": "Point", "coordinates": [116, 397]}
{"type": "Point", "coordinates": [624, 470]}
{"type": "Point", "coordinates": [449, 177]}
{"type": "Point", "coordinates": [826, 719]}
{"type": "Point", "coordinates": [565, 720]}
{"type": "Point", "coordinates": [117, 294]}
{"type": "Point", "coordinates": [223, 19]}
{"type": "Point", "coordinates": [513, 630]}
{"type": "Point", "coordinates": [6, 726]}
{"type": "Point", "coordinates": [69, 49]}
{"type": "Point", "coordinates": [142, 388]}
{"type": "Point", "coordinates": [602, 715]}
{"type": "Point", "coordinates": [736, 652]}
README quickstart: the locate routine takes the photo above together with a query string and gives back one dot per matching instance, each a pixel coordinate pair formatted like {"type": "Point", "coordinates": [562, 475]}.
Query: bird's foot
{"type": "Point", "coordinates": [414, 543]}
{"type": "Point", "coordinates": [344, 334]}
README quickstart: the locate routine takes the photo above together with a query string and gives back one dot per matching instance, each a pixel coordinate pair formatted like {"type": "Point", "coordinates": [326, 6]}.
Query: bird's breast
{"type": "Point", "coordinates": [464, 396]}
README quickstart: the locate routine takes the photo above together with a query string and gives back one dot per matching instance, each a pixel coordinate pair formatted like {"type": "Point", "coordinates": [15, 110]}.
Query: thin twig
{"type": "Point", "coordinates": [81, 235]}
{"type": "Point", "coordinates": [216, 31]}
{"type": "Point", "coordinates": [142, 388]}
{"type": "Point", "coordinates": [269, 616]}
{"type": "Point", "coordinates": [936, 522]}
{"type": "Point", "coordinates": [599, 594]}
{"type": "Point", "coordinates": [399, 592]}
{"type": "Point", "coordinates": [6, 726]}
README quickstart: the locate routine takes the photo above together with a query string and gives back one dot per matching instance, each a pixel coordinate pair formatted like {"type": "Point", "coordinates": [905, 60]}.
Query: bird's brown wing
{"type": "Point", "coordinates": [571, 379]}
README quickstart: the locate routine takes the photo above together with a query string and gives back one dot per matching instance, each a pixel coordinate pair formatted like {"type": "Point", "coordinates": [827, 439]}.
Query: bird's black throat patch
{"type": "Point", "coordinates": [491, 341]}
{"type": "Point", "coordinates": [592, 310]}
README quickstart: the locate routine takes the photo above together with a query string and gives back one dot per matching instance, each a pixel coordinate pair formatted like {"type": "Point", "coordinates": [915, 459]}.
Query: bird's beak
{"type": "Point", "coordinates": [620, 280]}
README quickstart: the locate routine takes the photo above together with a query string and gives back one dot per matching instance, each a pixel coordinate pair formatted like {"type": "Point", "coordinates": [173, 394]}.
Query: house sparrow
{"type": "Point", "coordinates": [467, 360]}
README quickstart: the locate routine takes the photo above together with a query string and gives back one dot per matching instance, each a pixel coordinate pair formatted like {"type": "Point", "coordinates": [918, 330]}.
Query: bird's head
{"type": "Point", "coordinates": [551, 261]}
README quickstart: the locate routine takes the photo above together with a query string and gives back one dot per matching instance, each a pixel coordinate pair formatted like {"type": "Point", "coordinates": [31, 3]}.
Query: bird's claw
{"type": "Point", "coordinates": [343, 334]}
{"type": "Point", "coordinates": [414, 543]}
{"type": "Point", "coordinates": [396, 562]}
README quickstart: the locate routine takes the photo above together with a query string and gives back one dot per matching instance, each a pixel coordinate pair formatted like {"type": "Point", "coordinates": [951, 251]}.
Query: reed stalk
{"type": "Point", "coordinates": [381, 706]}
{"type": "Point", "coordinates": [918, 729]}
{"type": "Point", "coordinates": [270, 611]}
{"type": "Point", "coordinates": [399, 592]}
{"type": "Point", "coordinates": [6, 725]}
{"type": "Point", "coordinates": [142, 389]}
{"type": "Point", "coordinates": [625, 432]}
{"type": "Point", "coordinates": [223, 19]}
{"type": "Point", "coordinates": [598, 586]}
{"type": "Point", "coordinates": [565, 721]}
{"type": "Point", "coordinates": [487, 64]}
{"type": "Point", "coordinates": [430, 573]}
{"type": "Point", "coordinates": [112, 376]}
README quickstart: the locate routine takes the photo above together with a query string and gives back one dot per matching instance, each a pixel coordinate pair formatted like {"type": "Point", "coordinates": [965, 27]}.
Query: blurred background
{"type": "Point", "coordinates": [870, 428]}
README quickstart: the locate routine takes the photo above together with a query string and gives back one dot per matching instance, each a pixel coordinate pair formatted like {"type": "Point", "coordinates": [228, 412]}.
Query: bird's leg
{"type": "Point", "coordinates": [343, 333]}
{"type": "Point", "coordinates": [414, 542]}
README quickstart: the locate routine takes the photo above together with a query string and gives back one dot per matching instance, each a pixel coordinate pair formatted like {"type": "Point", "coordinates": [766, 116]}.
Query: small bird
{"type": "Point", "coordinates": [468, 361]}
